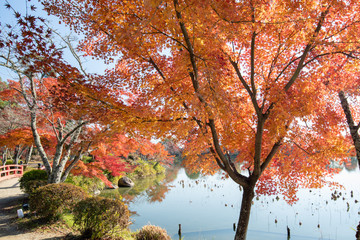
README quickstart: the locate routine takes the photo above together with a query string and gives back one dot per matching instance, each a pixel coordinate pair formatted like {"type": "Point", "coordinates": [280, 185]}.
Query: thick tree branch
{"type": "Point", "coordinates": [246, 86]}
{"type": "Point", "coordinates": [38, 143]}
{"type": "Point", "coordinates": [270, 156]}
{"type": "Point", "coordinates": [187, 40]}
{"type": "Point", "coordinates": [233, 173]}
{"type": "Point", "coordinates": [258, 145]}
{"type": "Point", "coordinates": [218, 161]}
{"type": "Point", "coordinates": [350, 121]}
{"type": "Point", "coordinates": [81, 124]}
{"type": "Point", "coordinates": [252, 53]}
{"type": "Point", "coordinates": [252, 74]}
{"type": "Point", "coordinates": [195, 82]}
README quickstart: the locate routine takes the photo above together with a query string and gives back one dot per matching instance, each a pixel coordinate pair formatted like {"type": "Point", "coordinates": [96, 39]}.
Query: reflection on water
{"type": "Point", "coordinates": [207, 207]}
{"type": "Point", "coordinates": [152, 188]}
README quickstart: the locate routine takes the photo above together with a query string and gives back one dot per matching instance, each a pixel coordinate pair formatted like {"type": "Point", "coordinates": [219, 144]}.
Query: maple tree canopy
{"type": "Point", "coordinates": [232, 76]}
{"type": "Point", "coordinates": [254, 82]}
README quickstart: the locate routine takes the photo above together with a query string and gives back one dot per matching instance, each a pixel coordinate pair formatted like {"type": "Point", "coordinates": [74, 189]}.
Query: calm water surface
{"type": "Point", "coordinates": [207, 207]}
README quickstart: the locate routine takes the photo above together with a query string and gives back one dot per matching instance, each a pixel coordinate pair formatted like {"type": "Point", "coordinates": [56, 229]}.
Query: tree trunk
{"type": "Point", "coordinates": [71, 166]}
{"type": "Point", "coordinates": [56, 173]}
{"type": "Point", "coordinates": [38, 143]}
{"type": "Point", "coordinates": [22, 152]}
{"type": "Point", "coordinates": [352, 127]}
{"type": "Point", "coordinates": [4, 156]}
{"type": "Point", "coordinates": [16, 154]}
{"type": "Point", "coordinates": [28, 156]}
{"type": "Point", "coordinates": [243, 223]}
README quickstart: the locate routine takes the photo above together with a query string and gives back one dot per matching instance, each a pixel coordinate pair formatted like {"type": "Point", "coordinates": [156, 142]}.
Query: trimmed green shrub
{"type": "Point", "coordinates": [52, 200]}
{"type": "Point", "coordinates": [31, 176]}
{"type": "Point", "coordinates": [100, 218]}
{"type": "Point", "coordinates": [151, 232]}
{"type": "Point", "coordinates": [88, 184]}
{"type": "Point", "coordinates": [33, 185]}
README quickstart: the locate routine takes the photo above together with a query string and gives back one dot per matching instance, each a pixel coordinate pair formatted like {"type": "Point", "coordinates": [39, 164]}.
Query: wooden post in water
{"type": "Point", "coordinates": [288, 233]}
{"type": "Point", "coordinates": [234, 227]}
{"type": "Point", "coordinates": [179, 232]}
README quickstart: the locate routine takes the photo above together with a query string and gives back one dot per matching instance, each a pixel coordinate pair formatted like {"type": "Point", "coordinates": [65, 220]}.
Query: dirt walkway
{"type": "Point", "coordinates": [11, 198]}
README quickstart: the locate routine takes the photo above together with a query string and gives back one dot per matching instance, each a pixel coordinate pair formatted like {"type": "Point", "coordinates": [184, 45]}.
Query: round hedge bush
{"type": "Point", "coordinates": [33, 185]}
{"type": "Point", "coordinates": [100, 218]}
{"type": "Point", "coordinates": [25, 180]}
{"type": "Point", "coordinates": [52, 200]}
{"type": "Point", "coordinates": [151, 232]}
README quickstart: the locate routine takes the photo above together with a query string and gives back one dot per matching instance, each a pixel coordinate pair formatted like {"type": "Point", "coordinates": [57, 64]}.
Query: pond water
{"type": "Point", "coordinates": [207, 206]}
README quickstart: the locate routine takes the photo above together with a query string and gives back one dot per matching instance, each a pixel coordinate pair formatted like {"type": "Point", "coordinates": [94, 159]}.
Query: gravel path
{"type": "Point", "coordinates": [10, 198]}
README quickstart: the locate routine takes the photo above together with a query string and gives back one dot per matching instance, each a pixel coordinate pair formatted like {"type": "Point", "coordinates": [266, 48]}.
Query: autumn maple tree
{"type": "Point", "coordinates": [15, 134]}
{"type": "Point", "coordinates": [228, 76]}
{"type": "Point", "coordinates": [27, 50]}
{"type": "Point", "coordinates": [20, 140]}
{"type": "Point", "coordinates": [111, 152]}
{"type": "Point", "coordinates": [48, 94]}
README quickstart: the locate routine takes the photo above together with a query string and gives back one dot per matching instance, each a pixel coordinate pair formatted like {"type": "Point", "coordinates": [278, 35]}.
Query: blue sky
{"type": "Point", "coordinates": [7, 17]}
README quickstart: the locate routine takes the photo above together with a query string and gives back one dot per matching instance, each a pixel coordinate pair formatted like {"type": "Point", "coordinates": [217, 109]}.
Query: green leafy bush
{"type": "Point", "coordinates": [150, 232]}
{"type": "Point", "coordinates": [33, 185]}
{"type": "Point", "coordinates": [160, 169]}
{"type": "Point", "coordinates": [88, 184]}
{"type": "Point", "coordinates": [9, 162]}
{"type": "Point", "coordinates": [114, 179]}
{"type": "Point", "coordinates": [29, 176]}
{"type": "Point", "coordinates": [87, 159]}
{"type": "Point", "coordinates": [52, 200]}
{"type": "Point", "coordinates": [144, 169]}
{"type": "Point", "coordinates": [100, 218]}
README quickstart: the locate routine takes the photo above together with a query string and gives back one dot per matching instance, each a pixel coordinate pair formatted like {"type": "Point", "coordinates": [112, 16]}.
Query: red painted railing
{"type": "Point", "coordinates": [11, 171]}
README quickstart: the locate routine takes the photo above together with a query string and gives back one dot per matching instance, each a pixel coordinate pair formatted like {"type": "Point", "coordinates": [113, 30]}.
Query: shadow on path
{"type": "Point", "coordinates": [11, 198]}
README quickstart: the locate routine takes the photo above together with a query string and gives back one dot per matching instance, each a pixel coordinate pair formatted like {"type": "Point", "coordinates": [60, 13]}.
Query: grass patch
{"type": "Point", "coordinates": [126, 234]}
{"type": "Point", "coordinates": [68, 219]}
